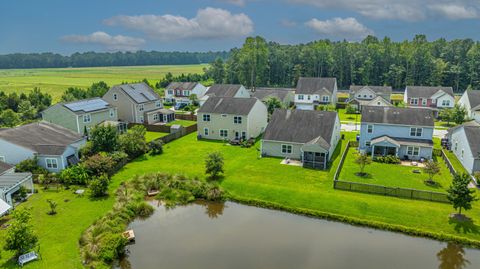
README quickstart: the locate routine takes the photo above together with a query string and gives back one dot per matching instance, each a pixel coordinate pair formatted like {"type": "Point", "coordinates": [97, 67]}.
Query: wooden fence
{"type": "Point", "coordinates": [182, 132]}
{"type": "Point", "coordinates": [190, 117]}
{"type": "Point", "coordinates": [451, 168]}
{"type": "Point", "coordinates": [342, 160]}
{"type": "Point", "coordinates": [152, 128]}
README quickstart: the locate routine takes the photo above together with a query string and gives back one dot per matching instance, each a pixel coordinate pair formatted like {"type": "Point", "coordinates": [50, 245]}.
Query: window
{"type": "Point", "coordinates": [186, 93]}
{"type": "Point", "coordinates": [462, 153]}
{"type": "Point", "coordinates": [424, 102]}
{"type": "Point", "coordinates": [456, 146]}
{"type": "Point", "coordinates": [364, 96]}
{"type": "Point", "coordinates": [413, 151]}
{"type": "Point", "coordinates": [141, 119]}
{"type": "Point", "coordinates": [325, 98]}
{"type": "Point", "coordinates": [244, 135]}
{"type": "Point", "coordinates": [369, 129]}
{"type": "Point", "coordinates": [158, 104]}
{"type": "Point", "coordinates": [416, 131]}
{"type": "Point", "coordinates": [141, 107]}
{"type": "Point", "coordinates": [300, 97]}
{"type": "Point", "coordinates": [378, 103]}
{"type": "Point", "coordinates": [370, 96]}
{"type": "Point", "coordinates": [223, 133]}
{"type": "Point", "coordinates": [359, 96]}
{"type": "Point", "coordinates": [237, 120]}
{"type": "Point", "coordinates": [112, 113]}
{"type": "Point", "coordinates": [368, 143]}
{"type": "Point", "coordinates": [206, 117]}
{"type": "Point", "coordinates": [155, 116]}
{"type": "Point", "coordinates": [115, 97]}
{"type": "Point", "coordinates": [87, 118]}
{"type": "Point", "coordinates": [286, 149]}
{"type": "Point", "coordinates": [414, 101]}
{"type": "Point", "coordinates": [2, 158]}
{"type": "Point", "coordinates": [51, 163]}
{"type": "Point", "coordinates": [170, 92]}
{"type": "Point", "coordinates": [308, 97]}
{"type": "Point", "coordinates": [446, 103]}
{"type": "Point", "coordinates": [205, 131]}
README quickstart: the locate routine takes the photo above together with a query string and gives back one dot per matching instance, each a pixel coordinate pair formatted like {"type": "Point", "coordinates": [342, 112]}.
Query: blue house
{"type": "Point", "coordinates": [403, 132]}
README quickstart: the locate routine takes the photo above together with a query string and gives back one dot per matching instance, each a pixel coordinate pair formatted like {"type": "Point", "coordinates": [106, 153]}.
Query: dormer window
{"type": "Point", "coordinates": [424, 102]}
{"type": "Point", "coordinates": [414, 101]}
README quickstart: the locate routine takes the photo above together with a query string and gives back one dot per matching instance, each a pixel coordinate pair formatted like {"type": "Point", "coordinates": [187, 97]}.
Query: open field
{"type": "Point", "coordinates": [56, 80]}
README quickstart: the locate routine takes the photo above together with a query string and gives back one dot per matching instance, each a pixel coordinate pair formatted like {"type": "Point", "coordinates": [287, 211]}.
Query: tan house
{"type": "Point", "coordinates": [229, 118]}
{"type": "Point", "coordinates": [225, 90]}
{"type": "Point", "coordinates": [312, 92]}
{"type": "Point", "coordinates": [136, 103]}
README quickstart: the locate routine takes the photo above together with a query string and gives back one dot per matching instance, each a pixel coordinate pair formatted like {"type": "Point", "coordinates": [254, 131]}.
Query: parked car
{"type": "Point", "coordinates": [179, 106]}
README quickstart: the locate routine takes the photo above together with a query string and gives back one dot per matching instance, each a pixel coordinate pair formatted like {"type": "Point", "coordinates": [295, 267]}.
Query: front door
{"type": "Point", "coordinates": [237, 135]}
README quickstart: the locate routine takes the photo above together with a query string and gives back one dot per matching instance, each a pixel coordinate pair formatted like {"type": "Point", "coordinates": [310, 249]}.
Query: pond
{"type": "Point", "coordinates": [231, 235]}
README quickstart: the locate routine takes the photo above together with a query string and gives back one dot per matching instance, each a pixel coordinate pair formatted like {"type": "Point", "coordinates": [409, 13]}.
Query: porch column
{"type": "Point", "coordinates": [396, 151]}
{"type": "Point", "coordinates": [373, 150]}
{"type": "Point", "coordinates": [325, 161]}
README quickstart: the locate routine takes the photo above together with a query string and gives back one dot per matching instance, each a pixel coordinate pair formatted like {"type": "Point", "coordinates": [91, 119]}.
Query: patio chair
{"type": "Point", "coordinates": [26, 258]}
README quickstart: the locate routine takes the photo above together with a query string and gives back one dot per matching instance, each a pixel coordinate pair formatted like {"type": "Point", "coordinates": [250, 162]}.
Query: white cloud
{"type": "Point", "coordinates": [348, 28]}
{"type": "Point", "coordinates": [112, 43]}
{"type": "Point", "coordinates": [288, 23]}
{"type": "Point", "coordinates": [208, 23]}
{"type": "Point", "coordinates": [406, 10]}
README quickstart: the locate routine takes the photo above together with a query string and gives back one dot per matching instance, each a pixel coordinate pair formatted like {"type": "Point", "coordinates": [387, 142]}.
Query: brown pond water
{"type": "Point", "coordinates": [230, 235]}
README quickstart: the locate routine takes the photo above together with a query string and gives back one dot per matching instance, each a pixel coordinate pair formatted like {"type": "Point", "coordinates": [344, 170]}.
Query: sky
{"type": "Point", "coordinates": [65, 27]}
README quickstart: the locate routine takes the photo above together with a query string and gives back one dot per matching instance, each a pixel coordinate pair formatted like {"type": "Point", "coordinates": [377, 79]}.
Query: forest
{"type": "Point", "coordinates": [372, 61]}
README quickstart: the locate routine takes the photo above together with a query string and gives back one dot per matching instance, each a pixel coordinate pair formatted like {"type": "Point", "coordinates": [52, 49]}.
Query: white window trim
{"type": "Point", "coordinates": [412, 150]}
{"type": "Point", "coordinates": [300, 97]}
{"type": "Point", "coordinates": [368, 143]}
{"type": "Point", "coordinates": [412, 101]}
{"type": "Point", "coordinates": [141, 107]}
{"type": "Point", "coordinates": [223, 131]}
{"type": "Point", "coordinates": [112, 112]}
{"type": "Point", "coordinates": [236, 118]}
{"type": "Point", "coordinates": [53, 161]}
{"type": "Point", "coordinates": [372, 129]}
{"type": "Point", "coordinates": [288, 147]}
{"type": "Point", "coordinates": [158, 104]}
{"type": "Point", "coordinates": [155, 116]}
{"type": "Point", "coordinates": [424, 102]}
{"type": "Point", "coordinates": [87, 118]}
{"type": "Point", "coordinates": [416, 132]}
{"type": "Point", "coordinates": [115, 97]}
{"type": "Point", "coordinates": [205, 116]}
{"type": "Point", "coordinates": [325, 98]}
{"type": "Point", "coordinates": [206, 132]}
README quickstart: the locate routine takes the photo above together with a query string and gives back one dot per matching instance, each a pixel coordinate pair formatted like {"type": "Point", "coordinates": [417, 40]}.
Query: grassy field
{"type": "Point", "coordinates": [150, 136]}
{"type": "Point", "coordinates": [56, 80]}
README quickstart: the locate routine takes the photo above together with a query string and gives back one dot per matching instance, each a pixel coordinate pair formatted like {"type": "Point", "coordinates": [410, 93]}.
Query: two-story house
{"type": "Point", "coordinates": [311, 92]}
{"type": "Point", "coordinates": [431, 97]}
{"type": "Point", "coordinates": [465, 144]}
{"type": "Point", "coordinates": [309, 136]}
{"type": "Point", "coordinates": [136, 103]}
{"type": "Point", "coordinates": [55, 147]}
{"type": "Point", "coordinates": [229, 118]}
{"type": "Point", "coordinates": [181, 92]}
{"type": "Point", "coordinates": [360, 96]}
{"type": "Point", "coordinates": [285, 95]}
{"type": "Point", "coordinates": [404, 132]}
{"type": "Point", "coordinates": [225, 90]}
{"type": "Point", "coordinates": [80, 116]}
{"type": "Point", "coordinates": [470, 100]}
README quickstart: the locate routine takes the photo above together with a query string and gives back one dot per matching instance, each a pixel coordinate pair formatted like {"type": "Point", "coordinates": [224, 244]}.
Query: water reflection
{"type": "Point", "coordinates": [452, 257]}
{"type": "Point", "coordinates": [212, 209]}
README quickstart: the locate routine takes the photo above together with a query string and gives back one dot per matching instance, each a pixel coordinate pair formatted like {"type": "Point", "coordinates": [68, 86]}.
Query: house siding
{"type": "Point", "coordinates": [460, 142]}
{"type": "Point", "coordinates": [13, 153]}
{"type": "Point", "coordinates": [274, 149]}
{"type": "Point", "coordinates": [127, 109]}
{"type": "Point", "coordinates": [257, 120]}
{"type": "Point", "coordinates": [60, 115]}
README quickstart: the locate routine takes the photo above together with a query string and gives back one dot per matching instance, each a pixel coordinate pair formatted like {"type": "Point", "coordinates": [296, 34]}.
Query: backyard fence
{"type": "Point", "coordinates": [342, 159]}
{"type": "Point", "coordinates": [448, 163]}
{"type": "Point", "coordinates": [391, 191]}
{"type": "Point", "coordinates": [190, 117]}
{"type": "Point", "coordinates": [152, 128]}
{"type": "Point", "coordinates": [176, 135]}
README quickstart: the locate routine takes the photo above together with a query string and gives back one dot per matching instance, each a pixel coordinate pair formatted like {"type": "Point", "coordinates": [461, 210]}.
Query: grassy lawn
{"type": "Point", "coordinates": [184, 123]}
{"type": "Point", "coordinates": [394, 175]}
{"type": "Point", "coordinates": [56, 80]}
{"type": "Point", "coordinates": [444, 124]}
{"type": "Point", "coordinates": [348, 117]}
{"type": "Point", "coordinates": [150, 136]}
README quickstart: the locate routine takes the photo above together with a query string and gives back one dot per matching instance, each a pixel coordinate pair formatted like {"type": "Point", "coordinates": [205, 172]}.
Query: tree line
{"type": "Point", "coordinates": [372, 61]}
{"type": "Point", "coordinates": [96, 59]}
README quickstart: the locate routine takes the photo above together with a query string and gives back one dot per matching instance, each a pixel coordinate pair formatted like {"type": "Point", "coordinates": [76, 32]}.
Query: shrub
{"type": "Point", "coordinates": [30, 165]}
{"type": "Point", "coordinates": [87, 150]}
{"type": "Point", "coordinates": [133, 142]}
{"type": "Point", "coordinates": [214, 165]}
{"type": "Point", "coordinates": [156, 147]}
{"type": "Point", "coordinates": [20, 236]}
{"type": "Point", "coordinates": [389, 159]}
{"type": "Point", "coordinates": [350, 109]}
{"type": "Point", "coordinates": [99, 164]}
{"type": "Point", "coordinates": [112, 246]}
{"type": "Point", "coordinates": [74, 175]}
{"type": "Point", "coordinates": [144, 210]}
{"type": "Point", "coordinates": [99, 186]}
{"type": "Point", "coordinates": [104, 138]}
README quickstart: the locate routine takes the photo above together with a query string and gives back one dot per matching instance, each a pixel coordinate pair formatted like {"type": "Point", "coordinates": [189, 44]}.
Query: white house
{"type": "Point", "coordinates": [369, 96]}
{"type": "Point", "coordinates": [181, 92]}
{"type": "Point", "coordinates": [311, 92]}
{"type": "Point", "coordinates": [470, 100]}
{"type": "Point", "coordinates": [465, 144]}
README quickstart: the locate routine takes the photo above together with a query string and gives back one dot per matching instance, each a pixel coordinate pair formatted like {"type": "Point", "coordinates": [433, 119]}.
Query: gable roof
{"type": "Point", "coordinates": [397, 115]}
{"type": "Point", "coordinates": [427, 91]}
{"type": "Point", "coordinates": [41, 137]}
{"type": "Point", "coordinates": [228, 105]}
{"type": "Point", "coordinates": [4, 167]}
{"type": "Point", "coordinates": [223, 90]}
{"type": "Point", "coordinates": [265, 93]}
{"type": "Point", "coordinates": [473, 139]}
{"type": "Point", "coordinates": [315, 85]}
{"type": "Point", "coordinates": [139, 92]}
{"type": "Point", "coordinates": [301, 126]}
{"type": "Point", "coordinates": [375, 89]}
{"type": "Point", "coordinates": [184, 86]}
{"type": "Point", "coordinates": [474, 99]}
{"type": "Point", "coordinates": [87, 105]}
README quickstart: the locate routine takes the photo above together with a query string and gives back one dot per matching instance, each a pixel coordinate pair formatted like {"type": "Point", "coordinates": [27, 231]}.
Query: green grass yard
{"type": "Point", "coordinates": [56, 80]}
{"type": "Point", "coordinates": [150, 136]}
{"type": "Point", "coordinates": [184, 123]}
{"type": "Point", "coordinates": [348, 117]}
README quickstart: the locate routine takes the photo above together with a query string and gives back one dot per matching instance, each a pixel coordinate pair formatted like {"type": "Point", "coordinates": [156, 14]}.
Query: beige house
{"type": "Point", "coordinates": [305, 135]}
{"type": "Point", "coordinates": [136, 103]}
{"type": "Point", "coordinates": [285, 95]}
{"type": "Point", "coordinates": [229, 118]}
{"type": "Point", "coordinates": [80, 116]}
{"type": "Point", "coordinates": [225, 90]}
{"type": "Point", "coordinates": [312, 92]}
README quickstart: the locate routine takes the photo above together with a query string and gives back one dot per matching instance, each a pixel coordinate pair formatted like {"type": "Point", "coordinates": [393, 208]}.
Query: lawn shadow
{"type": "Point", "coordinates": [364, 175]}
{"type": "Point", "coordinates": [432, 184]}
{"type": "Point", "coordinates": [95, 199]}
{"type": "Point", "coordinates": [464, 226]}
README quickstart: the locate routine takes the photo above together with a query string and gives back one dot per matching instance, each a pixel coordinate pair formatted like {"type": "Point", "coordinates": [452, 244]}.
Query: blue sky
{"type": "Point", "coordinates": [200, 25]}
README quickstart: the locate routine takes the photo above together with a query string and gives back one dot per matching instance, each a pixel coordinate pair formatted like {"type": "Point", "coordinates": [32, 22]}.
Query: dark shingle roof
{"type": "Point", "coordinates": [474, 98]}
{"type": "Point", "coordinates": [473, 137]}
{"type": "Point", "coordinates": [228, 105]}
{"type": "Point", "coordinates": [223, 90]}
{"type": "Point", "coordinates": [315, 85]}
{"type": "Point", "coordinates": [187, 86]}
{"type": "Point", "coordinates": [396, 115]}
{"type": "Point", "coordinates": [4, 167]}
{"type": "Point", "coordinates": [427, 91]}
{"type": "Point", "coordinates": [41, 137]}
{"type": "Point", "coordinates": [376, 89]}
{"type": "Point", "coordinates": [301, 126]}
{"type": "Point", "coordinates": [265, 93]}
{"type": "Point", "coordinates": [139, 92]}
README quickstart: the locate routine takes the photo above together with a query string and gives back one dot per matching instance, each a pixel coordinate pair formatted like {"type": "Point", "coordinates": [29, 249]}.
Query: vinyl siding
{"type": "Point", "coordinates": [459, 142]}
{"type": "Point", "coordinates": [13, 153]}
{"type": "Point", "coordinates": [60, 115]}
{"type": "Point", "coordinates": [257, 120]}
{"type": "Point", "coordinates": [127, 109]}
{"type": "Point", "coordinates": [274, 149]}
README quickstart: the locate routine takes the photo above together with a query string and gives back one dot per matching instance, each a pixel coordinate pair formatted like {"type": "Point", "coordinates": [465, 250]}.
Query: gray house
{"type": "Point", "coordinates": [311, 92]}
{"type": "Point", "coordinates": [229, 118]}
{"type": "Point", "coordinates": [360, 96]}
{"type": "Point", "coordinates": [225, 90]}
{"type": "Point", "coordinates": [404, 132]}
{"type": "Point", "coordinates": [465, 144]}
{"type": "Point", "coordinates": [285, 95]}
{"type": "Point", "coordinates": [136, 103]}
{"type": "Point", "coordinates": [470, 100]}
{"type": "Point", "coordinates": [10, 183]}
{"type": "Point", "coordinates": [309, 136]}
{"type": "Point", "coordinates": [54, 146]}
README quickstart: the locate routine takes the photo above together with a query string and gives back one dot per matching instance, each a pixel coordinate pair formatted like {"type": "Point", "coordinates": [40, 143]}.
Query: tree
{"type": "Point", "coordinates": [194, 99]}
{"type": "Point", "coordinates": [216, 70]}
{"type": "Point", "coordinates": [272, 104]}
{"type": "Point", "coordinates": [214, 165]}
{"type": "Point", "coordinates": [75, 174]}
{"type": "Point", "coordinates": [27, 111]}
{"type": "Point", "coordinates": [9, 118]}
{"type": "Point", "coordinates": [156, 147]}
{"type": "Point", "coordinates": [20, 236]}
{"type": "Point", "coordinates": [104, 138]}
{"type": "Point", "coordinates": [446, 115]}
{"type": "Point", "coordinates": [458, 114]}
{"type": "Point", "coordinates": [431, 168]}
{"type": "Point", "coordinates": [459, 194]}
{"type": "Point", "coordinates": [363, 160]}
{"type": "Point", "coordinates": [53, 207]}
{"type": "Point", "coordinates": [99, 186]}
{"type": "Point", "coordinates": [133, 142]}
